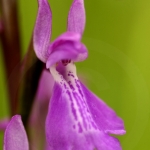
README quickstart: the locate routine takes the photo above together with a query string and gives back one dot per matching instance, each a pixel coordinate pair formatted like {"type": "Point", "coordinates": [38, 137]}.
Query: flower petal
{"type": "Point", "coordinates": [76, 17]}
{"type": "Point", "coordinates": [15, 137]}
{"type": "Point", "coordinates": [42, 30]}
{"type": "Point", "coordinates": [66, 46]}
{"type": "Point", "coordinates": [70, 123]}
{"type": "Point", "coordinates": [103, 115]}
{"type": "Point", "coordinates": [63, 134]}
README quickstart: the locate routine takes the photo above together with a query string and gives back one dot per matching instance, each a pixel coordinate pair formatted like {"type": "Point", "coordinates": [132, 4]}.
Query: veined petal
{"type": "Point", "coordinates": [67, 46]}
{"type": "Point", "coordinates": [42, 30]}
{"type": "Point", "coordinates": [70, 124]}
{"type": "Point", "coordinates": [15, 137]}
{"type": "Point", "coordinates": [76, 17]}
{"type": "Point", "coordinates": [65, 133]}
{"type": "Point", "coordinates": [103, 115]}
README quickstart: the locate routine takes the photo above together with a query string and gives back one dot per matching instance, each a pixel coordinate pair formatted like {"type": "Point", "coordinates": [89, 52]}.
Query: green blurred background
{"type": "Point", "coordinates": [117, 35]}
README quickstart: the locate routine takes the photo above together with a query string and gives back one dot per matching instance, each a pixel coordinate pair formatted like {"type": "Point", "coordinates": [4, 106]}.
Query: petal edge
{"type": "Point", "coordinates": [76, 17]}
{"type": "Point", "coordinates": [42, 30]}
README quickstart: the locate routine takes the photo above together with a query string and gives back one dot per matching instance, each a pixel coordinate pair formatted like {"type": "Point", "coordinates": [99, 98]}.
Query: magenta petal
{"type": "Point", "coordinates": [103, 115]}
{"type": "Point", "coordinates": [42, 30]}
{"type": "Point", "coordinates": [15, 137]}
{"type": "Point", "coordinates": [66, 46]}
{"type": "Point", "coordinates": [63, 134]}
{"type": "Point", "coordinates": [76, 17]}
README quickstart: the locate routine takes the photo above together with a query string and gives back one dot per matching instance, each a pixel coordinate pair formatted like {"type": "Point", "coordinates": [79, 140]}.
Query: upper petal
{"type": "Point", "coordinates": [76, 17]}
{"type": "Point", "coordinates": [15, 137]}
{"type": "Point", "coordinates": [42, 30]}
{"type": "Point", "coordinates": [103, 115]}
{"type": "Point", "coordinates": [66, 46]}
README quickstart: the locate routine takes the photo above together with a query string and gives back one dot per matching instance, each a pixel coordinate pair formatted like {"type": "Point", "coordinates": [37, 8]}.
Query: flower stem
{"type": "Point", "coordinates": [30, 74]}
{"type": "Point", "coordinates": [10, 39]}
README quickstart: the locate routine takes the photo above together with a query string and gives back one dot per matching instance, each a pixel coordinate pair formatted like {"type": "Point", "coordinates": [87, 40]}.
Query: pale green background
{"type": "Point", "coordinates": [117, 35]}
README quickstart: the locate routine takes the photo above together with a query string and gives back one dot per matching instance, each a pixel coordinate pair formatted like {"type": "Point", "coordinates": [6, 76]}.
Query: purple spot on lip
{"type": "Point", "coordinates": [74, 126]}
{"type": "Point", "coordinates": [73, 111]}
{"type": "Point", "coordinates": [80, 109]}
{"type": "Point", "coordinates": [80, 128]}
{"type": "Point", "coordinates": [71, 86]}
{"type": "Point", "coordinates": [65, 86]}
{"type": "Point", "coordinates": [70, 74]}
{"type": "Point", "coordinates": [72, 105]}
{"type": "Point", "coordinates": [78, 86]}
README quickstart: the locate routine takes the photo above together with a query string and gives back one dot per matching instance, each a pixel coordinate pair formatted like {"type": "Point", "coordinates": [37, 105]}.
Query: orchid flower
{"type": "Point", "coordinates": [76, 119]}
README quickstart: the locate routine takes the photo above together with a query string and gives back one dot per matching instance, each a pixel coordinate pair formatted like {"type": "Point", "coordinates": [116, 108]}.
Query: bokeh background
{"type": "Point", "coordinates": [117, 35]}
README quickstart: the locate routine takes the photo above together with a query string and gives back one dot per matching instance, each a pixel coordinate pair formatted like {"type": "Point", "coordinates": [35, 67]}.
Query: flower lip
{"type": "Point", "coordinates": [66, 47]}
{"type": "Point", "coordinates": [87, 121]}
